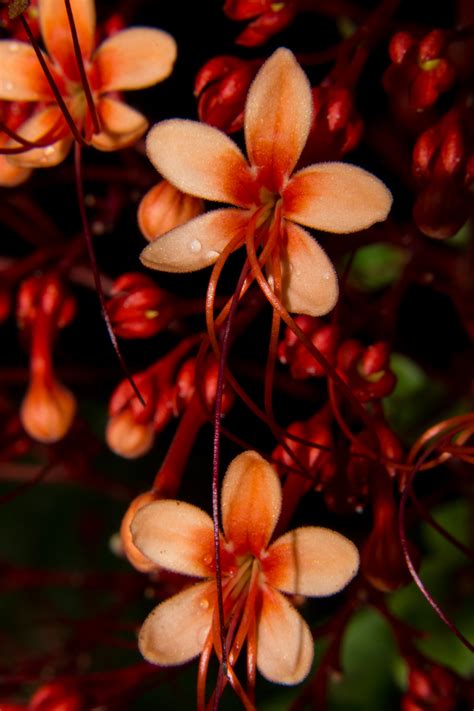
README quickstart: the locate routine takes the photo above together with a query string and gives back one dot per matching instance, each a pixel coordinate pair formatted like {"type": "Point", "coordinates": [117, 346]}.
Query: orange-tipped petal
{"type": "Point", "coordinates": [309, 282]}
{"type": "Point", "coordinates": [135, 58]}
{"type": "Point", "coordinates": [12, 175]}
{"type": "Point", "coordinates": [285, 644]}
{"type": "Point", "coordinates": [201, 160]}
{"type": "Point", "coordinates": [278, 116]}
{"type": "Point", "coordinates": [128, 438]}
{"type": "Point", "coordinates": [121, 125]}
{"type": "Point", "coordinates": [21, 76]}
{"type": "Point", "coordinates": [47, 411]}
{"type": "Point", "coordinates": [46, 122]}
{"type": "Point", "coordinates": [176, 536]}
{"type": "Point", "coordinates": [251, 503]}
{"type": "Point", "coordinates": [336, 197]}
{"type": "Point", "coordinates": [164, 207]}
{"type": "Point", "coordinates": [311, 561]}
{"type": "Point", "coordinates": [57, 32]}
{"type": "Point", "coordinates": [176, 630]}
{"type": "Point", "coordinates": [197, 244]}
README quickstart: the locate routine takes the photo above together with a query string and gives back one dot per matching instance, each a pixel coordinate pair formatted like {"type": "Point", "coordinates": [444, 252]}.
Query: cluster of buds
{"type": "Point", "coordinates": [267, 18]}
{"type": "Point", "coordinates": [443, 163]}
{"type": "Point", "coordinates": [166, 388]}
{"type": "Point", "coordinates": [420, 69]}
{"type": "Point", "coordinates": [44, 307]}
{"type": "Point", "coordinates": [221, 88]}
{"type": "Point", "coordinates": [325, 337]}
{"type": "Point", "coordinates": [337, 126]}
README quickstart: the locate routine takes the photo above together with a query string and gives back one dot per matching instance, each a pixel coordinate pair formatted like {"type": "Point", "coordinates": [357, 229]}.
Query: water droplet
{"type": "Point", "coordinates": [8, 85]}
{"type": "Point", "coordinates": [204, 604]}
{"type": "Point", "coordinates": [326, 276]}
{"type": "Point", "coordinates": [213, 254]}
{"type": "Point", "coordinates": [13, 46]}
{"type": "Point", "coordinates": [196, 246]}
{"type": "Point", "coordinates": [49, 151]}
{"type": "Point", "coordinates": [207, 559]}
{"type": "Point", "coordinates": [271, 281]}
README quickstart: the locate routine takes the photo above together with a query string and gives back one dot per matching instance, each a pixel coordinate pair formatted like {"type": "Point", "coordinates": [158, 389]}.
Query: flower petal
{"type": "Point", "coordinates": [175, 535]}
{"type": "Point", "coordinates": [278, 116]}
{"type": "Point", "coordinates": [12, 175]}
{"type": "Point", "coordinates": [176, 630]}
{"type": "Point", "coordinates": [121, 125]}
{"type": "Point", "coordinates": [309, 281]}
{"type": "Point", "coordinates": [196, 244]}
{"type": "Point", "coordinates": [201, 160]}
{"type": "Point", "coordinates": [56, 31]}
{"type": "Point", "coordinates": [21, 76]}
{"type": "Point", "coordinates": [311, 561]}
{"type": "Point", "coordinates": [135, 58]}
{"type": "Point", "coordinates": [285, 645]}
{"type": "Point", "coordinates": [251, 503]}
{"type": "Point", "coordinates": [336, 197]}
{"type": "Point", "coordinates": [49, 121]}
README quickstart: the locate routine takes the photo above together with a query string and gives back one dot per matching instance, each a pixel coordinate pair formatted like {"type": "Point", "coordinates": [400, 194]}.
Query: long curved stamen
{"type": "Point", "coordinates": [274, 334]}
{"type": "Point", "coordinates": [46, 140]}
{"type": "Point", "coordinates": [82, 70]}
{"type": "Point", "coordinates": [57, 94]}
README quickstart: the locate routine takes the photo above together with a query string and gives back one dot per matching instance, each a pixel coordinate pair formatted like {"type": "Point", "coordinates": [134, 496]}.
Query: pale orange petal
{"type": "Point", "coordinates": [121, 125]}
{"type": "Point", "coordinates": [176, 536]}
{"type": "Point", "coordinates": [21, 76]}
{"type": "Point", "coordinates": [336, 197]}
{"type": "Point", "coordinates": [57, 33]}
{"type": "Point", "coordinates": [311, 561]}
{"type": "Point", "coordinates": [251, 503]}
{"type": "Point", "coordinates": [197, 244]}
{"type": "Point", "coordinates": [12, 175]}
{"type": "Point", "coordinates": [278, 116]}
{"type": "Point", "coordinates": [201, 160]}
{"type": "Point", "coordinates": [35, 128]}
{"type": "Point", "coordinates": [176, 630]}
{"type": "Point", "coordinates": [309, 282]}
{"type": "Point", "coordinates": [285, 645]}
{"type": "Point", "coordinates": [135, 58]}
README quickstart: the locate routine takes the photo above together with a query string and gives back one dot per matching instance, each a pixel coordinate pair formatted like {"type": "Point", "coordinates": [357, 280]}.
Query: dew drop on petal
{"type": "Point", "coordinates": [13, 47]}
{"type": "Point", "coordinates": [326, 276]}
{"type": "Point", "coordinates": [204, 603]}
{"type": "Point", "coordinates": [196, 246]}
{"type": "Point", "coordinates": [207, 560]}
{"type": "Point", "coordinates": [8, 85]}
{"type": "Point", "coordinates": [212, 254]}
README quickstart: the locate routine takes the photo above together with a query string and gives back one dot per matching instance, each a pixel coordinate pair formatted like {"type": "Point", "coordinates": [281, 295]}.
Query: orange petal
{"type": "Point", "coordinates": [309, 282]}
{"type": "Point", "coordinates": [42, 123]}
{"type": "Point", "coordinates": [12, 175]}
{"type": "Point", "coordinates": [197, 244]}
{"type": "Point", "coordinates": [336, 197]}
{"type": "Point", "coordinates": [201, 160]}
{"type": "Point", "coordinates": [176, 630]}
{"type": "Point", "coordinates": [278, 116]}
{"type": "Point", "coordinates": [135, 58]}
{"type": "Point", "coordinates": [176, 536]}
{"type": "Point", "coordinates": [121, 125]}
{"type": "Point", "coordinates": [311, 561]}
{"type": "Point", "coordinates": [57, 32]}
{"type": "Point", "coordinates": [285, 645]}
{"type": "Point", "coordinates": [251, 503]}
{"type": "Point", "coordinates": [21, 76]}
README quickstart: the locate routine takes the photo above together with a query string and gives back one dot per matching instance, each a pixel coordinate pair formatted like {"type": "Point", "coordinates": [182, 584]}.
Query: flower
{"type": "Point", "coordinates": [135, 58]}
{"type": "Point", "coordinates": [203, 161]}
{"type": "Point", "coordinates": [306, 561]}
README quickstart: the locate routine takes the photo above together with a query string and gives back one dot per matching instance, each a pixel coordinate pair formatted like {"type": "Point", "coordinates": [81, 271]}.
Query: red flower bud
{"type": "Point", "coordinates": [164, 207]}
{"type": "Point", "coordinates": [366, 370]}
{"type": "Point", "coordinates": [48, 294]}
{"type": "Point", "coordinates": [222, 85]}
{"type": "Point", "coordinates": [270, 18]}
{"type": "Point", "coordinates": [138, 308]}
{"type": "Point", "coordinates": [57, 696]}
{"type": "Point", "coordinates": [186, 385]}
{"type": "Point", "coordinates": [441, 209]}
{"type": "Point", "coordinates": [431, 686]}
{"type": "Point", "coordinates": [324, 337]}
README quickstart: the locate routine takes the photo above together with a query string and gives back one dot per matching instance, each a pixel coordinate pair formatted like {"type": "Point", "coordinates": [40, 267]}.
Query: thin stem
{"type": "Point", "coordinates": [95, 271]}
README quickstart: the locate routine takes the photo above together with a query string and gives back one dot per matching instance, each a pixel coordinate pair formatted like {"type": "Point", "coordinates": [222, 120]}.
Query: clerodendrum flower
{"type": "Point", "coordinates": [307, 561]}
{"type": "Point", "coordinates": [270, 203]}
{"type": "Point", "coordinates": [134, 58]}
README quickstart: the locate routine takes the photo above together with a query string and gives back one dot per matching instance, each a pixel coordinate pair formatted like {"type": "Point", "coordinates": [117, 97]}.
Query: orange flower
{"type": "Point", "coordinates": [268, 199]}
{"type": "Point", "coordinates": [307, 561]}
{"type": "Point", "coordinates": [134, 58]}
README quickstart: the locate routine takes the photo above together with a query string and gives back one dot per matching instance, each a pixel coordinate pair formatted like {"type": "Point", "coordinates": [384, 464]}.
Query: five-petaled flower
{"type": "Point", "coordinates": [134, 58]}
{"type": "Point", "coordinates": [307, 561]}
{"type": "Point", "coordinates": [269, 200]}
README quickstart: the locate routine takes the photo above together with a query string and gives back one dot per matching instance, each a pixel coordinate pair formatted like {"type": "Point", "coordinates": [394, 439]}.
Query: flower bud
{"type": "Point", "coordinates": [431, 686]}
{"type": "Point", "coordinates": [164, 207]}
{"type": "Point", "coordinates": [222, 85]}
{"type": "Point", "coordinates": [138, 308]}
{"type": "Point", "coordinates": [127, 437]}
{"type": "Point", "coordinates": [57, 696]}
{"type": "Point", "coordinates": [47, 410]}
{"type": "Point", "coordinates": [325, 338]}
{"type": "Point", "coordinates": [441, 209]}
{"type": "Point", "coordinates": [366, 370]}
{"type": "Point", "coordinates": [269, 18]}
{"type": "Point", "coordinates": [134, 556]}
